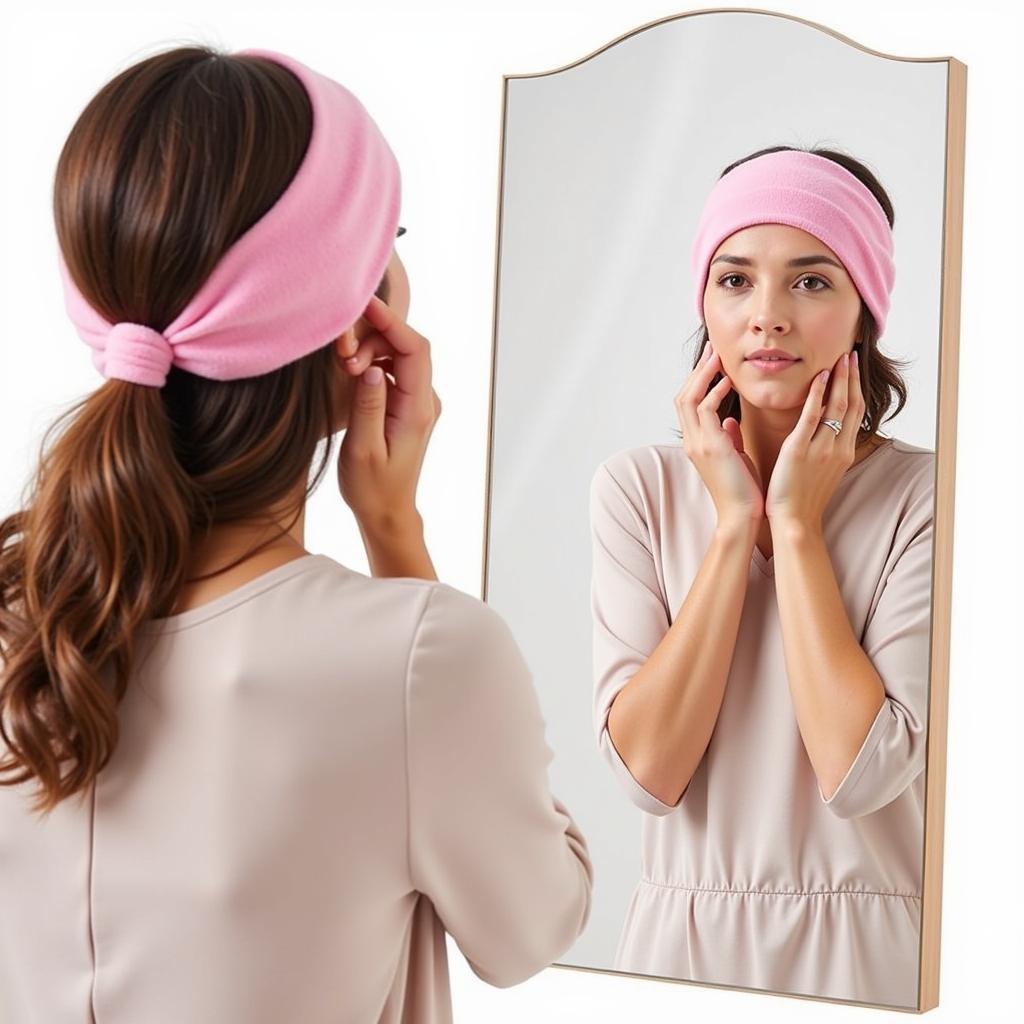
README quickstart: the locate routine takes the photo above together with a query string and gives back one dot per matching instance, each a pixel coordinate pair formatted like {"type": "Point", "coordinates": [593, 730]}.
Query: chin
{"type": "Point", "coordinates": [775, 395]}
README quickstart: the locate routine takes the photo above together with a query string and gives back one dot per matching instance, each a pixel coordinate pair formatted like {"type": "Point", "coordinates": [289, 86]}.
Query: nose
{"type": "Point", "coordinates": [769, 317]}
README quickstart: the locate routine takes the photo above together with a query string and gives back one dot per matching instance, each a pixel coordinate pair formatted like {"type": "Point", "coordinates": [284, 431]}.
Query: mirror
{"type": "Point", "coordinates": [598, 522]}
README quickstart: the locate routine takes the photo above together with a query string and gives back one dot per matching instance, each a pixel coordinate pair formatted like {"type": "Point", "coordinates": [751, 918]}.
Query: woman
{"type": "Point", "coordinates": [243, 782]}
{"type": "Point", "coordinates": [761, 600]}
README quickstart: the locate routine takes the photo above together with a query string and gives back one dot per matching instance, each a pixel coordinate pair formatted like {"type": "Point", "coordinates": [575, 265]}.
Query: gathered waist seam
{"type": "Point", "coordinates": [782, 892]}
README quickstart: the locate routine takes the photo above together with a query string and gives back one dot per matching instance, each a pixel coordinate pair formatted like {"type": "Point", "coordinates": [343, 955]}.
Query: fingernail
{"type": "Point", "coordinates": [373, 375]}
{"type": "Point", "coordinates": [856, 358]}
{"type": "Point", "coordinates": [823, 376]}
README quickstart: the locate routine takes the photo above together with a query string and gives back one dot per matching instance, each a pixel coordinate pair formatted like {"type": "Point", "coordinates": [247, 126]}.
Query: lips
{"type": "Point", "coordinates": [771, 353]}
{"type": "Point", "coordinates": [772, 365]}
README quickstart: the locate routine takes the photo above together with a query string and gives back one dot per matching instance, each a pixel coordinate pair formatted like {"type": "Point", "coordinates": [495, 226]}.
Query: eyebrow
{"type": "Point", "coordinates": [800, 261]}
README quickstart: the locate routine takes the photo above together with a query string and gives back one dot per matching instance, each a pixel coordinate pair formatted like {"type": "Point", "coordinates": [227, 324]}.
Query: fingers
{"type": "Point", "coordinates": [410, 351]}
{"type": "Point", "coordinates": [845, 401]}
{"type": "Point", "coordinates": [369, 349]}
{"type": "Point", "coordinates": [385, 320]}
{"type": "Point", "coordinates": [818, 406]}
{"type": "Point", "coordinates": [838, 395]}
{"type": "Point", "coordinates": [694, 402]}
{"type": "Point", "coordinates": [364, 436]}
{"type": "Point", "coordinates": [707, 408]}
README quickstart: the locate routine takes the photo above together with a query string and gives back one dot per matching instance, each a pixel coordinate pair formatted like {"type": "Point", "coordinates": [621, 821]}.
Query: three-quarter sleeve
{"type": "Point", "coordinates": [504, 864]}
{"type": "Point", "coordinates": [897, 639]}
{"type": "Point", "coordinates": [630, 616]}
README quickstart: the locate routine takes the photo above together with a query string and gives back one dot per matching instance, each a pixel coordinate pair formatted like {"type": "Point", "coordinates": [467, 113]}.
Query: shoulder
{"type": "Point", "coordinates": [642, 474]}
{"type": "Point", "coordinates": [644, 462]}
{"type": "Point", "coordinates": [908, 474]}
{"type": "Point", "coordinates": [443, 646]}
{"type": "Point", "coordinates": [399, 590]}
{"type": "Point", "coordinates": [459, 629]}
{"type": "Point", "coordinates": [463, 654]}
{"type": "Point", "coordinates": [912, 457]}
{"type": "Point", "coordinates": [899, 494]}
{"type": "Point", "coordinates": [637, 490]}
{"type": "Point", "coordinates": [377, 609]}
{"type": "Point", "coordinates": [432, 606]}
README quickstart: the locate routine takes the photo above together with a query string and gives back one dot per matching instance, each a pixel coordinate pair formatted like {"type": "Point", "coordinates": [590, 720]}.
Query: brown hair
{"type": "Point", "coordinates": [880, 377]}
{"type": "Point", "coordinates": [170, 163]}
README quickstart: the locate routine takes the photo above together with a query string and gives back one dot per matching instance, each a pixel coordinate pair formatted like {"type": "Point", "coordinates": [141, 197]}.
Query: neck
{"type": "Point", "coordinates": [232, 543]}
{"type": "Point", "coordinates": [765, 430]}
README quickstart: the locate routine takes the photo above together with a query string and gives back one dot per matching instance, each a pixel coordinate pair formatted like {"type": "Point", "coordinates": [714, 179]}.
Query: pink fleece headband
{"type": "Point", "coordinates": [298, 278]}
{"type": "Point", "coordinates": [810, 192]}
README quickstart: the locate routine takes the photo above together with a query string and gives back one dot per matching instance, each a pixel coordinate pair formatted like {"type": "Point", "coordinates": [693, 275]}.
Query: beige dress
{"type": "Point", "coordinates": [753, 878]}
{"type": "Point", "coordinates": [318, 774]}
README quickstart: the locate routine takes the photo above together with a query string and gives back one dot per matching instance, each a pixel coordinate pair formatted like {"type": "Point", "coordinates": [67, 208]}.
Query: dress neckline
{"type": "Point", "coordinates": [208, 609]}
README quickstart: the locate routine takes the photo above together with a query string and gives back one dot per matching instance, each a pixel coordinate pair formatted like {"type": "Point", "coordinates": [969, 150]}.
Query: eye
{"type": "Point", "coordinates": [814, 277]}
{"type": "Point", "coordinates": [728, 277]}
{"type": "Point", "coordinates": [806, 277]}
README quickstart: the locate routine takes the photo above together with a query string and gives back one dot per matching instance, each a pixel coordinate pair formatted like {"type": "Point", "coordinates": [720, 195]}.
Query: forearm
{"type": "Point", "coordinates": [398, 548]}
{"type": "Point", "coordinates": [835, 689]}
{"type": "Point", "coordinates": [661, 721]}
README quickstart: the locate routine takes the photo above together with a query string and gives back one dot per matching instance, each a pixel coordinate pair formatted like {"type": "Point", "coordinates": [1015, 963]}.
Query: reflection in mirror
{"type": "Point", "coordinates": [731, 602]}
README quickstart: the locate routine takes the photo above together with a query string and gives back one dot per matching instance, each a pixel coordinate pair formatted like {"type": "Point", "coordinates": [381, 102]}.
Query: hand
{"type": "Point", "coordinates": [389, 424]}
{"type": "Point", "coordinates": [717, 449]}
{"type": "Point", "coordinates": [813, 458]}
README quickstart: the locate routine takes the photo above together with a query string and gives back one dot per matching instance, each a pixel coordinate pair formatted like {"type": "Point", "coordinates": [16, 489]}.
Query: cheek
{"type": "Point", "coordinates": [725, 332]}
{"type": "Point", "coordinates": [724, 318]}
{"type": "Point", "coordinates": [835, 320]}
{"type": "Point", "coordinates": [829, 334]}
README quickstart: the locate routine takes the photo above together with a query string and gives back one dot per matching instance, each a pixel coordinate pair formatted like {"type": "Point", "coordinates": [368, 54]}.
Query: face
{"type": "Point", "coordinates": [810, 311]}
{"type": "Point", "coordinates": [398, 300]}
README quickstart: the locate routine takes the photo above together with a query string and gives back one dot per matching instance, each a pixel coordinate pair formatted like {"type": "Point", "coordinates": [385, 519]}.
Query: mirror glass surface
{"type": "Point", "coordinates": [606, 166]}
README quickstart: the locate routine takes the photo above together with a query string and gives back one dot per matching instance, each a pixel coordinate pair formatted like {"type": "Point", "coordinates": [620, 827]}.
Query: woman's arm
{"type": "Point", "coordinates": [662, 719]}
{"type": "Point", "coordinates": [836, 691]}
{"type": "Point", "coordinates": [398, 548]}
{"type": "Point", "coordinates": [861, 704]}
{"type": "Point", "coordinates": [658, 683]}
{"type": "Point", "coordinates": [500, 857]}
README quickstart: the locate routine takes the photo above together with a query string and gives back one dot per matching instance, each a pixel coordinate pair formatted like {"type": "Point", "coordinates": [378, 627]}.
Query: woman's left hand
{"type": "Point", "coordinates": [813, 458]}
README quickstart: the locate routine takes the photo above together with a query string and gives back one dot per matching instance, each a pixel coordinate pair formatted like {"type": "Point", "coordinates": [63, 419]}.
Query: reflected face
{"type": "Point", "coordinates": [755, 299]}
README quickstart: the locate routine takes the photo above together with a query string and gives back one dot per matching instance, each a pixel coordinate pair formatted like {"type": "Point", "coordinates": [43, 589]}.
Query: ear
{"type": "Point", "coordinates": [345, 344]}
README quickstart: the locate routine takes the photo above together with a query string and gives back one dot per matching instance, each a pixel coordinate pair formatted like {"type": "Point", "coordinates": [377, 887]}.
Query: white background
{"type": "Point", "coordinates": [430, 74]}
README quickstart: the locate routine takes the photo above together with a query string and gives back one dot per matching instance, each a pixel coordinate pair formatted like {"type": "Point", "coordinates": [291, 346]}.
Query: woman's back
{"type": "Point", "coordinates": [314, 772]}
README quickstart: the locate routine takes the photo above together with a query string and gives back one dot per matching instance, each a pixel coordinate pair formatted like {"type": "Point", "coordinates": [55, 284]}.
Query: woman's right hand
{"type": "Point", "coordinates": [389, 424]}
{"type": "Point", "coordinates": [716, 449]}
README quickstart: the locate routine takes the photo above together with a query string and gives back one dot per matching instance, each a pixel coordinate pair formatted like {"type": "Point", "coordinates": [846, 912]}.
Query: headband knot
{"type": "Point", "coordinates": [807, 191]}
{"type": "Point", "coordinates": [137, 353]}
